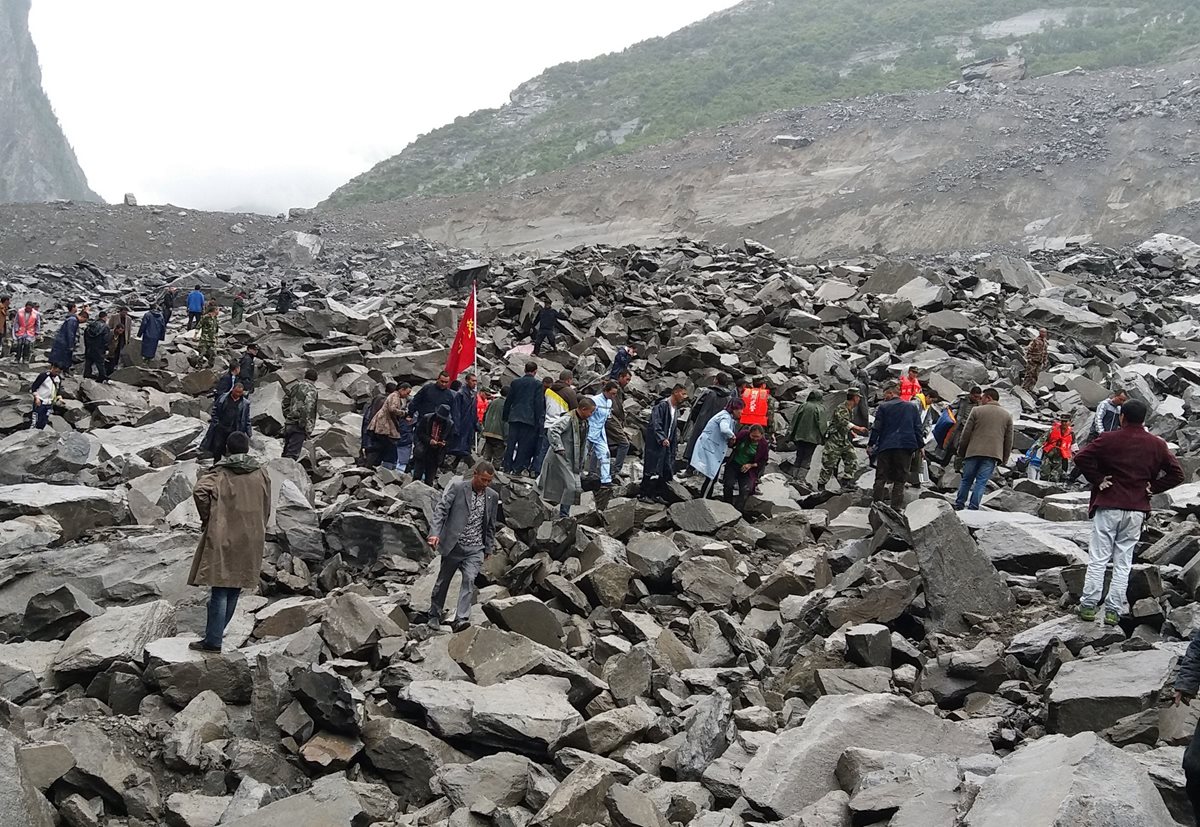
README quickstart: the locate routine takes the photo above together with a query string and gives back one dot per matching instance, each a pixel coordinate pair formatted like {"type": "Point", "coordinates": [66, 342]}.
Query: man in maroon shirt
{"type": "Point", "coordinates": [1125, 467]}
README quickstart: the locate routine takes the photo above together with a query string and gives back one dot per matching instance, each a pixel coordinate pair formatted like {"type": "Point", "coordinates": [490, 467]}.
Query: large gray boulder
{"type": "Point", "coordinates": [958, 577]}
{"type": "Point", "coordinates": [21, 804]}
{"type": "Point", "coordinates": [1058, 781]}
{"type": "Point", "coordinates": [1023, 549]}
{"type": "Point", "coordinates": [527, 714]}
{"type": "Point", "coordinates": [799, 766]}
{"type": "Point", "coordinates": [1096, 692]}
{"type": "Point", "coordinates": [78, 508]}
{"type": "Point", "coordinates": [120, 634]}
{"type": "Point", "coordinates": [173, 435]}
{"type": "Point", "coordinates": [409, 755]}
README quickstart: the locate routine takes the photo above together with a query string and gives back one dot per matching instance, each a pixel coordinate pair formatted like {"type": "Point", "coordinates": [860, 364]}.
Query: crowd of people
{"type": "Point", "coordinates": [572, 438]}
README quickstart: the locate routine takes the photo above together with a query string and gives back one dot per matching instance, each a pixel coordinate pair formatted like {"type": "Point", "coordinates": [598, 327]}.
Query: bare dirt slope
{"type": "Point", "coordinates": [1113, 154]}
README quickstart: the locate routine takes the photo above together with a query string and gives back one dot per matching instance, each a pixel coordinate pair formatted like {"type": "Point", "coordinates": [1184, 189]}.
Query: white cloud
{"type": "Point", "coordinates": [274, 103]}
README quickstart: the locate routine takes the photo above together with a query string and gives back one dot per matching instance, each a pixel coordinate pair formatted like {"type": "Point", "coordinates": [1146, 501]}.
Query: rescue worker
{"type": "Point", "coordinates": [839, 445]}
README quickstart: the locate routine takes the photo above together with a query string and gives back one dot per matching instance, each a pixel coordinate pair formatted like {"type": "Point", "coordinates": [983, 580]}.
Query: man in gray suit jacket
{"type": "Point", "coordinates": [464, 531]}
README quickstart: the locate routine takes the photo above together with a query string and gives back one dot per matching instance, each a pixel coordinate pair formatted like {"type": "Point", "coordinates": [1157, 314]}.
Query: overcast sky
{"type": "Point", "coordinates": [265, 104]}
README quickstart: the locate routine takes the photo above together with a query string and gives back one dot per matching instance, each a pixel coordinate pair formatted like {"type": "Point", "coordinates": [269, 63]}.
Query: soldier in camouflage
{"type": "Point", "coordinates": [838, 448]}
{"type": "Point", "coordinates": [299, 414]}
{"type": "Point", "coordinates": [238, 309]}
{"type": "Point", "coordinates": [209, 328]}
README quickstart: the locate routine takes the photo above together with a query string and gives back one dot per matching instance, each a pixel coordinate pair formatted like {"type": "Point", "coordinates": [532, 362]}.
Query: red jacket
{"type": "Point", "coordinates": [909, 387]}
{"type": "Point", "coordinates": [1060, 440]}
{"type": "Point", "coordinates": [1133, 458]}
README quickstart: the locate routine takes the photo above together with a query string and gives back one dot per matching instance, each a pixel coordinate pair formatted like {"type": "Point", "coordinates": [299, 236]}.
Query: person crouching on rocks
{"type": "Point", "coordinates": [234, 502]}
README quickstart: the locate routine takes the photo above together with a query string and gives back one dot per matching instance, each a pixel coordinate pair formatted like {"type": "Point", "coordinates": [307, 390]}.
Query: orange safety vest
{"type": "Point", "coordinates": [26, 323]}
{"type": "Point", "coordinates": [755, 412]}
{"type": "Point", "coordinates": [481, 406]}
{"type": "Point", "coordinates": [909, 387]}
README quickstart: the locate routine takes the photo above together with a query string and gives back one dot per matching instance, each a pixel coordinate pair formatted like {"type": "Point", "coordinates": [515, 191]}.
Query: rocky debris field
{"type": "Point", "coordinates": [810, 662]}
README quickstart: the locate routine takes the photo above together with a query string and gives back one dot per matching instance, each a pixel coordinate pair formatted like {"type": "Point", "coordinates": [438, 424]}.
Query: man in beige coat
{"type": "Point", "coordinates": [987, 440]}
{"type": "Point", "coordinates": [234, 502]}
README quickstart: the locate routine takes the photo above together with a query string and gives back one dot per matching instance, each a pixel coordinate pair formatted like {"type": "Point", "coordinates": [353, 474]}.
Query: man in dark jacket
{"type": "Point", "coordinates": [544, 329]}
{"type": "Point", "coordinates": [895, 437]}
{"type": "Point", "coordinates": [167, 304]}
{"type": "Point", "coordinates": [97, 336]}
{"type": "Point", "coordinates": [525, 413]}
{"type": "Point", "coordinates": [286, 300]}
{"type": "Point", "coordinates": [230, 415]}
{"type": "Point", "coordinates": [431, 396]}
{"type": "Point", "coordinates": [227, 381]}
{"type": "Point", "coordinates": [371, 450]}
{"type": "Point", "coordinates": [432, 435]}
{"type": "Point", "coordinates": [622, 360]}
{"type": "Point", "coordinates": [152, 330]}
{"type": "Point", "coordinates": [1187, 684]}
{"type": "Point", "coordinates": [662, 440]}
{"type": "Point", "coordinates": [1125, 468]}
{"type": "Point", "coordinates": [463, 532]}
{"type": "Point", "coordinates": [615, 427]}
{"type": "Point", "coordinates": [62, 352]}
{"type": "Point", "coordinates": [464, 409]}
{"type": "Point", "coordinates": [248, 367]}
{"type": "Point", "coordinates": [709, 404]}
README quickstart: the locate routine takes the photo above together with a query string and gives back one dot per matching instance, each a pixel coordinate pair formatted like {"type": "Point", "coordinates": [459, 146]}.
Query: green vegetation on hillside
{"type": "Point", "coordinates": [762, 56]}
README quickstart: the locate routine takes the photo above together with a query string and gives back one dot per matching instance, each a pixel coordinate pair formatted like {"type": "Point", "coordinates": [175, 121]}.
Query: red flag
{"type": "Point", "coordinates": [462, 354]}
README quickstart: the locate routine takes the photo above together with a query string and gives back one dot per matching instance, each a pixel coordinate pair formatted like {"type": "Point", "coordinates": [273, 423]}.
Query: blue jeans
{"type": "Point", "coordinates": [975, 475]}
{"type": "Point", "coordinates": [222, 603]}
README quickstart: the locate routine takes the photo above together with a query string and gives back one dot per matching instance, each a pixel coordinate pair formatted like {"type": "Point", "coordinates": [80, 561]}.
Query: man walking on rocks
{"type": "Point", "coordinates": [1108, 414]}
{"type": "Point", "coordinates": [195, 307]}
{"type": "Point", "coordinates": [431, 396]}
{"type": "Point", "coordinates": [662, 441]}
{"type": "Point", "coordinates": [209, 329]}
{"type": "Point", "coordinates": [227, 381]}
{"type": "Point", "coordinates": [299, 414]}
{"type": "Point", "coordinates": [808, 430]}
{"type": "Point", "coordinates": [525, 413]}
{"type": "Point", "coordinates": [839, 445]}
{"type": "Point", "coordinates": [561, 478]}
{"type": "Point", "coordinates": [987, 441]}
{"type": "Point", "coordinates": [623, 359]}
{"type": "Point", "coordinates": [544, 329]}
{"type": "Point", "coordinates": [234, 502]}
{"type": "Point", "coordinates": [1056, 449]}
{"type": "Point", "coordinates": [45, 390]}
{"type": "Point", "coordinates": [895, 438]}
{"type": "Point", "coordinates": [62, 352]}
{"type": "Point", "coordinates": [494, 430]}
{"type": "Point", "coordinates": [167, 304]}
{"type": "Point", "coordinates": [152, 330]}
{"type": "Point", "coordinates": [237, 310]}
{"type": "Point", "coordinates": [1125, 468]}
{"type": "Point", "coordinates": [1035, 360]}
{"type": "Point", "coordinates": [230, 415]}
{"type": "Point", "coordinates": [466, 421]}
{"type": "Point", "coordinates": [597, 439]}
{"type": "Point", "coordinates": [614, 428]}
{"type": "Point", "coordinates": [97, 336]}
{"type": "Point", "coordinates": [463, 532]}
{"type": "Point", "coordinates": [248, 369]}
{"type": "Point", "coordinates": [390, 429]}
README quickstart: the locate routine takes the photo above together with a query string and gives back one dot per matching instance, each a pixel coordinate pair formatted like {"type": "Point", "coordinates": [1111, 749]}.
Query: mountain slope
{"type": "Point", "coordinates": [761, 56]}
{"type": "Point", "coordinates": [1112, 155]}
{"type": "Point", "coordinates": [36, 162]}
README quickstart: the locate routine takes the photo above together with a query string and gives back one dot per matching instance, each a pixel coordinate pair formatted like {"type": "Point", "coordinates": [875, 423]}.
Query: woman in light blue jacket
{"type": "Point", "coordinates": [713, 442]}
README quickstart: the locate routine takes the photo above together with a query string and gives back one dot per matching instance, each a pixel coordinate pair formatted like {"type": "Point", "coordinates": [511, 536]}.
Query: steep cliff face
{"type": "Point", "coordinates": [36, 162]}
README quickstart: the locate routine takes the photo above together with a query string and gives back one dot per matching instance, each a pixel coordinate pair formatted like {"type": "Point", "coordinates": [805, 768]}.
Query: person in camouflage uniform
{"type": "Point", "coordinates": [299, 414]}
{"type": "Point", "coordinates": [209, 328]}
{"type": "Point", "coordinates": [238, 309]}
{"type": "Point", "coordinates": [1035, 360]}
{"type": "Point", "coordinates": [839, 449]}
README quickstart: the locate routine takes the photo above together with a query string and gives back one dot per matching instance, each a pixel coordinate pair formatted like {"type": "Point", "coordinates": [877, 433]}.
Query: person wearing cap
{"type": "Point", "coordinates": [839, 443]}
{"type": "Point", "coordinates": [1056, 449]}
{"type": "Point", "coordinates": [910, 384]}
